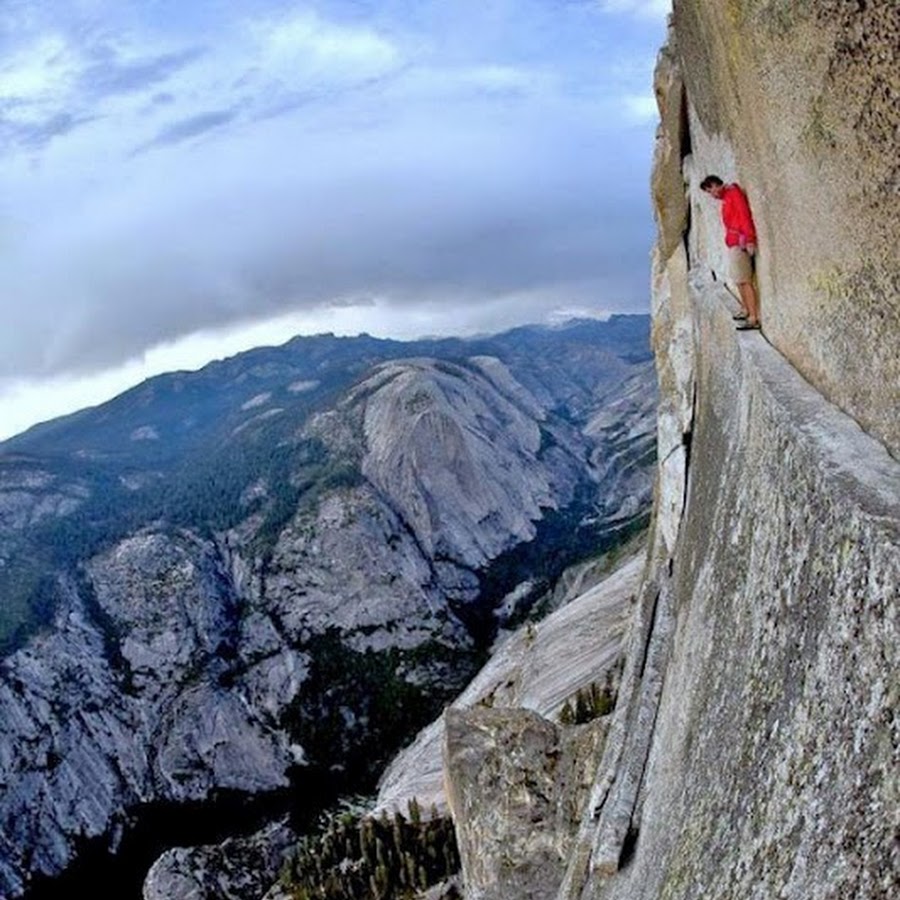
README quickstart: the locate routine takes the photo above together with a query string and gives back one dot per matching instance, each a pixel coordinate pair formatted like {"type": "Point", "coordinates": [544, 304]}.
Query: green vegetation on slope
{"type": "Point", "coordinates": [357, 708]}
{"type": "Point", "coordinates": [385, 859]}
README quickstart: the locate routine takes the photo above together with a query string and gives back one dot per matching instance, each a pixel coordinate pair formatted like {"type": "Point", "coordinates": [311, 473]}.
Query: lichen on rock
{"type": "Point", "coordinates": [516, 784]}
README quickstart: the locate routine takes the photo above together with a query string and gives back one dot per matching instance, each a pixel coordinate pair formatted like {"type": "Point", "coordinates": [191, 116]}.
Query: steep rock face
{"type": "Point", "coordinates": [799, 102]}
{"type": "Point", "coordinates": [753, 752]}
{"type": "Point", "coordinates": [459, 459]}
{"type": "Point", "coordinates": [772, 767]}
{"type": "Point", "coordinates": [173, 611]}
{"type": "Point", "coordinates": [447, 476]}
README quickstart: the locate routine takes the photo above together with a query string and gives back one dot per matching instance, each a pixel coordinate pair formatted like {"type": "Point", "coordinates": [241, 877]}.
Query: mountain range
{"type": "Point", "coordinates": [258, 580]}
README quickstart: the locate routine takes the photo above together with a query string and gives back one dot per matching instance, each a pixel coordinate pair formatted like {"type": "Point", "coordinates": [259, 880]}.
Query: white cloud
{"type": "Point", "coordinates": [40, 73]}
{"type": "Point", "coordinates": [436, 84]}
{"type": "Point", "coordinates": [306, 45]}
{"type": "Point", "coordinates": [494, 77]}
{"type": "Point", "coordinates": [641, 107]}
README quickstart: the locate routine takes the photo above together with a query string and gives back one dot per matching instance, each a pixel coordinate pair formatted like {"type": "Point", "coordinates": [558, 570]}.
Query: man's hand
{"type": "Point", "coordinates": [751, 249]}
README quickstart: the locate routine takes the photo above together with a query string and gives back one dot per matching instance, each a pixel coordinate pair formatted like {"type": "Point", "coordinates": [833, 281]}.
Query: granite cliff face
{"type": "Point", "coordinates": [799, 103]}
{"type": "Point", "coordinates": [754, 748]}
{"type": "Point", "coordinates": [302, 592]}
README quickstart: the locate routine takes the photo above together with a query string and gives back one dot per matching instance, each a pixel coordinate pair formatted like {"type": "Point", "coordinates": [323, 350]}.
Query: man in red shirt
{"type": "Point", "coordinates": [740, 238]}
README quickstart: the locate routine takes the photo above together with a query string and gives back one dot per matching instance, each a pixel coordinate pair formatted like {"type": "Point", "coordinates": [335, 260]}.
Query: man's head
{"type": "Point", "coordinates": [713, 185]}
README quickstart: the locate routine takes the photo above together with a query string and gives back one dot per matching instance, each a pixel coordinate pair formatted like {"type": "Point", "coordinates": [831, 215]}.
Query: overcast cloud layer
{"type": "Point", "coordinates": [167, 168]}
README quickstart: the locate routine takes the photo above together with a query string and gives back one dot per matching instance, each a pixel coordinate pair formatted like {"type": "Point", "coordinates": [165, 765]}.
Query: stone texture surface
{"type": "Point", "coordinates": [516, 784]}
{"type": "Point", "coordinates": [82, 741]}
{"type": "Point", "coordinates": [446, 476]}
{"type": "Point", "coordinates": [755, 748]}
{"type": "Point", "coordinates": [773, 768]}
{"type": "Point", "coordinates": [808, 97]}
{"type": "Point", "coordinates": [754, 751]}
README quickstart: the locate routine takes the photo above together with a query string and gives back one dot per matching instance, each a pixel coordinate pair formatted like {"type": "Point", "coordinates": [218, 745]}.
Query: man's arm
{"type": "Point", "coordinates": [745, 225]}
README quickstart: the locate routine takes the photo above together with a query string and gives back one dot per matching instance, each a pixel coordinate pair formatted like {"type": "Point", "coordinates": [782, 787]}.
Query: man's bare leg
{"type": "Point", "coordinates": [749, 302]}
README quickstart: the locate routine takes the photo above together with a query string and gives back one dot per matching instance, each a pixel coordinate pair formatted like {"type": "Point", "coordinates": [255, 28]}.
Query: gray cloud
{"type": "Point", "coordinates": [191, 127]}
{"type": "Point", "coordinates": [355, 302]}
{"type": "Point", "coordinates": [473, 174]}
{"type": "Point", "coordinates": [37, 135]}
{"type": "Point", "coordinates": [109, 76]}
{"type": "Point", "coordinates": [418, 216]}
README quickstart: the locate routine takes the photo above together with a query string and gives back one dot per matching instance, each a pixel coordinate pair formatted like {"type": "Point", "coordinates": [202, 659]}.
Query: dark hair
{"type": "Point", "coordinates": [709, 181]}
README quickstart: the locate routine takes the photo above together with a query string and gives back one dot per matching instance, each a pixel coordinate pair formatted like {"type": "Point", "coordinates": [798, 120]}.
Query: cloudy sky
{"type": "Point", "coordinates": [183, 180]}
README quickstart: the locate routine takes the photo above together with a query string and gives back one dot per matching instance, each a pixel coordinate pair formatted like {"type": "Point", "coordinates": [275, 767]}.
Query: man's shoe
{"type": "Point", "coordinates": [748, 326]}
{"type": "Point", "coordinates": [740, 317]}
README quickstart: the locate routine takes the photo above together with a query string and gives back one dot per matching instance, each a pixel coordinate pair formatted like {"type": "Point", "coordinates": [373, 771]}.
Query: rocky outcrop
{"type": "Point", "coordinates": [233, 870]}
{"type": "Point", "coordinates": [537, 668]}
{"type": "Point", "coordinates": [457, 464]}
{"type": "Point", "coordinates": [516, 784]}
{"type": "Point", "coordinates": [84, 740]}
{"type": "Point", "coordinates": [800, 103]}
{"type": "Point", "coordinates": [445, 475]}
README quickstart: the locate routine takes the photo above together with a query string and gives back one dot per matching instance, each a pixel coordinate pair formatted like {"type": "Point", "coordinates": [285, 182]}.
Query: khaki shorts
{"type": "Point", "coordinates": [740, 265]}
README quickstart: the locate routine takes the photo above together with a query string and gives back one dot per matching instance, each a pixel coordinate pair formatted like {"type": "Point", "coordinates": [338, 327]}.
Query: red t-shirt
{"type": "Point", "coordinates": [736, 216]}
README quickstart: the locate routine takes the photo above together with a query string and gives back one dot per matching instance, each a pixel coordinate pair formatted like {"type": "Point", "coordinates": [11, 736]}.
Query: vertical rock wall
{"type": "Point", "coordinates": [772, 768]}
{"type": "Point", "coordinates": [756, 753]}
{"type": "Point", "coordinates": [805, 96]}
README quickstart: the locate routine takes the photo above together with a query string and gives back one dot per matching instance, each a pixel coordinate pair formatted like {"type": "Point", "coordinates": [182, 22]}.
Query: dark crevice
{"type": "Point", "coordinates": [687, 440]}
{"type": "Point", "coordinates": [686, 236]}
{"type": "Point", "coordinates": [645, 653]}
{"type": "Point", "coordinates": [686, 148]}
{"type": "Point", "coordinates": [662, 621]}
{"type": "Point", "coordinates": [629, 846]}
